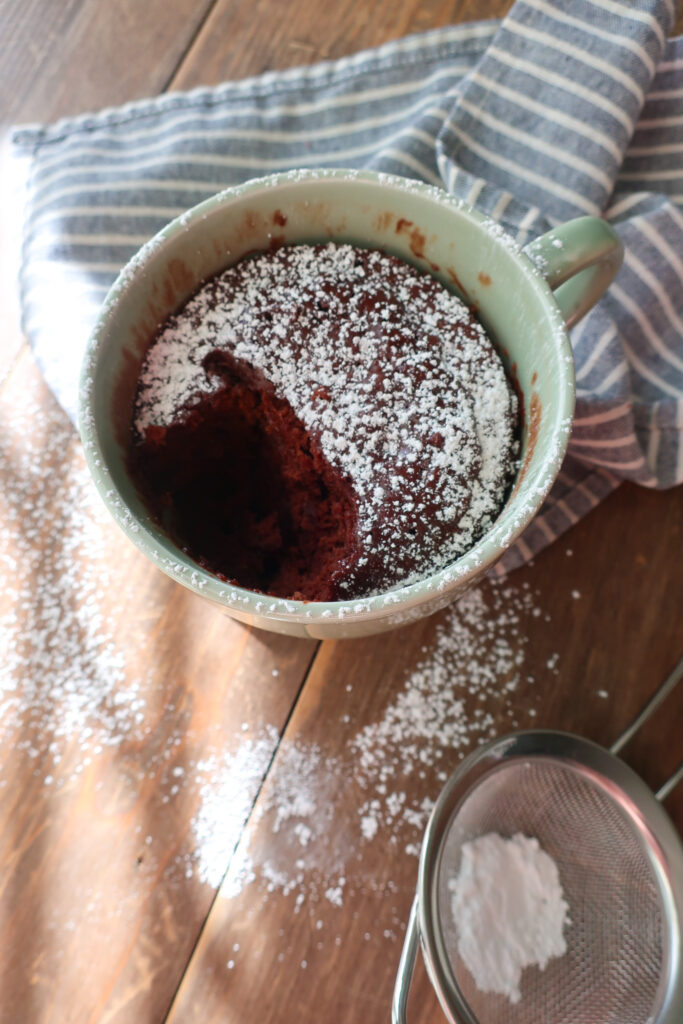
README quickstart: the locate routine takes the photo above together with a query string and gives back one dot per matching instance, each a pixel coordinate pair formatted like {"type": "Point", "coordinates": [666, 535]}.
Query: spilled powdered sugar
{"type": "Point", "coordinates": [450, 700]}
{"type": "Point", "coordinates": [62, 674]}
{"type": "Point", "coordinates": [227, 784]}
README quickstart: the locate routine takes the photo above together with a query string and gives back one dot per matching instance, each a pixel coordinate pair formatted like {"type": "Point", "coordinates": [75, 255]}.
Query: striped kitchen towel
{"type": "Point", "coordinates": [560, 109]}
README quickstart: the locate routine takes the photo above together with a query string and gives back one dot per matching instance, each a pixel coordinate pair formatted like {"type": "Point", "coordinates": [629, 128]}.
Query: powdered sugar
{"type": "Point", "coordinates": [62, 675]}
{"type": "Point", "coordinates": [509, 910]}
{"type": "Point", "coordinates": [469, 677]}
{"type": "Point", "coordinates": [402, 391]}
{"type": "Point", "coordinates": [227, 785]}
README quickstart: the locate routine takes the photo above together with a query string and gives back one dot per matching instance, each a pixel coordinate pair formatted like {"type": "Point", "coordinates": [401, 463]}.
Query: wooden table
{"type": "Point", "coordinates": [205, 823]}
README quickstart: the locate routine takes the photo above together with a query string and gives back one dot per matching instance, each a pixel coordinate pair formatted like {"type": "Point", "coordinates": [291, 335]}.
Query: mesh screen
{"type": "Point", "coordinates": [616, 943]}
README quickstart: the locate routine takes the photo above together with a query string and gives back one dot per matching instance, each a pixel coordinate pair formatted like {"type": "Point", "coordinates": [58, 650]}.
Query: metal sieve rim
{"type": "Point", "coordinates": [659, 842]}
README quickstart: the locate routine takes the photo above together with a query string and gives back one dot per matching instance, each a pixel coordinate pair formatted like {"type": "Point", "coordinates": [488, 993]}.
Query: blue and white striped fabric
{"type": "Point", "coordinates": [561, 109]}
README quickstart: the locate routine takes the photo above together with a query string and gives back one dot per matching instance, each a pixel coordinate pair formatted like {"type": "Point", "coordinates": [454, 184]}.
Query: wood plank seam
{"type": "Point", "coordinates": [187, 53]}
{"type": "Point", "coordinates": [264, 778]}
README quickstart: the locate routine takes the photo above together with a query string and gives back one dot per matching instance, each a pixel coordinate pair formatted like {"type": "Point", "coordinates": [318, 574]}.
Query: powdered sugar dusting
{"type": "Point", "coordinates": [227, 787]}
{"type": "Point", "coordinates": [468, 678]}
{"type": "Point", "coordinates": [329, 827]}
{"type": "Point", "coordinates": [62, 675]}
{"type": "Point", "coordinates": [402, 391]}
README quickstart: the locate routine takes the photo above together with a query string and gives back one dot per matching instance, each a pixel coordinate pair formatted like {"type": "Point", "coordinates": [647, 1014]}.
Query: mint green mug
{"type": "Point", "coordinates": [526, 299]}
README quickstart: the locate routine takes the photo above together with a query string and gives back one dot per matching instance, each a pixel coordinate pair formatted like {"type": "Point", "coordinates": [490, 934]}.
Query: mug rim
{"type": "Point", "coordinates": [165, 554]}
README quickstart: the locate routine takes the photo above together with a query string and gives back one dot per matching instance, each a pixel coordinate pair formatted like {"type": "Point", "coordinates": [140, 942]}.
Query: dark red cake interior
{"type": "Point", "coordinates": [244, 490]}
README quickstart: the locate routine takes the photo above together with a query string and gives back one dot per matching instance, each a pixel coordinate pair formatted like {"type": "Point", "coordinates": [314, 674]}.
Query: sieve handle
{"type": "Point", "coordinates": [406, 967]}
{"type": "Point", "coordinates": [670, 785]}
{"type": "Point", "coordinates": [660, 695]}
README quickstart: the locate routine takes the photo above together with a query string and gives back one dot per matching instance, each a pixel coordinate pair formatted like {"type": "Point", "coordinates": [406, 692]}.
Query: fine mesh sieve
{"type": "Point", "coordinates": [620, 863]}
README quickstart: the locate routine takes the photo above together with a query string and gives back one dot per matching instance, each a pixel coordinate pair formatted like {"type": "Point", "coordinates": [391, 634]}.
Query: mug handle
{"type": "Point", "coordinates": [579, 260]}
{"type": "Point", "coordinates": [406, 966]}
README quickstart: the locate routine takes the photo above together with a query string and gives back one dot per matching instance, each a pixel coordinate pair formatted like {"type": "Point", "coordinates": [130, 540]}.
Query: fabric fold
{"type": "Point", "coordinates": [549, 111]}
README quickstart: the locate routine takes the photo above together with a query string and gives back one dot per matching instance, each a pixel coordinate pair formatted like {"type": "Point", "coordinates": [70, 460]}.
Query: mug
{"type": "Point", "coordinates": [525, 299]}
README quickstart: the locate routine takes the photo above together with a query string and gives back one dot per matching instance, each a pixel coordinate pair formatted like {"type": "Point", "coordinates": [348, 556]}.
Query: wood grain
{"type": "Point", "coordinates": [138, 740]}
{"type": "Point", "coordinates": [264, 36]}
{"type": "Point", "coordinates": [77, 56]}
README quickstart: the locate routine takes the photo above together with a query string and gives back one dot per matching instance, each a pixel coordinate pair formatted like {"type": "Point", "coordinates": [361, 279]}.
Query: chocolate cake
{"type": "Point", "coordinates": [324, 422]}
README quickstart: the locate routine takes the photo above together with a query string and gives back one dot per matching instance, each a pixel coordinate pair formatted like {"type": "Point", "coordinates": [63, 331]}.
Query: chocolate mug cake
{"type": "Point", "coordinates": [324, 422]}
